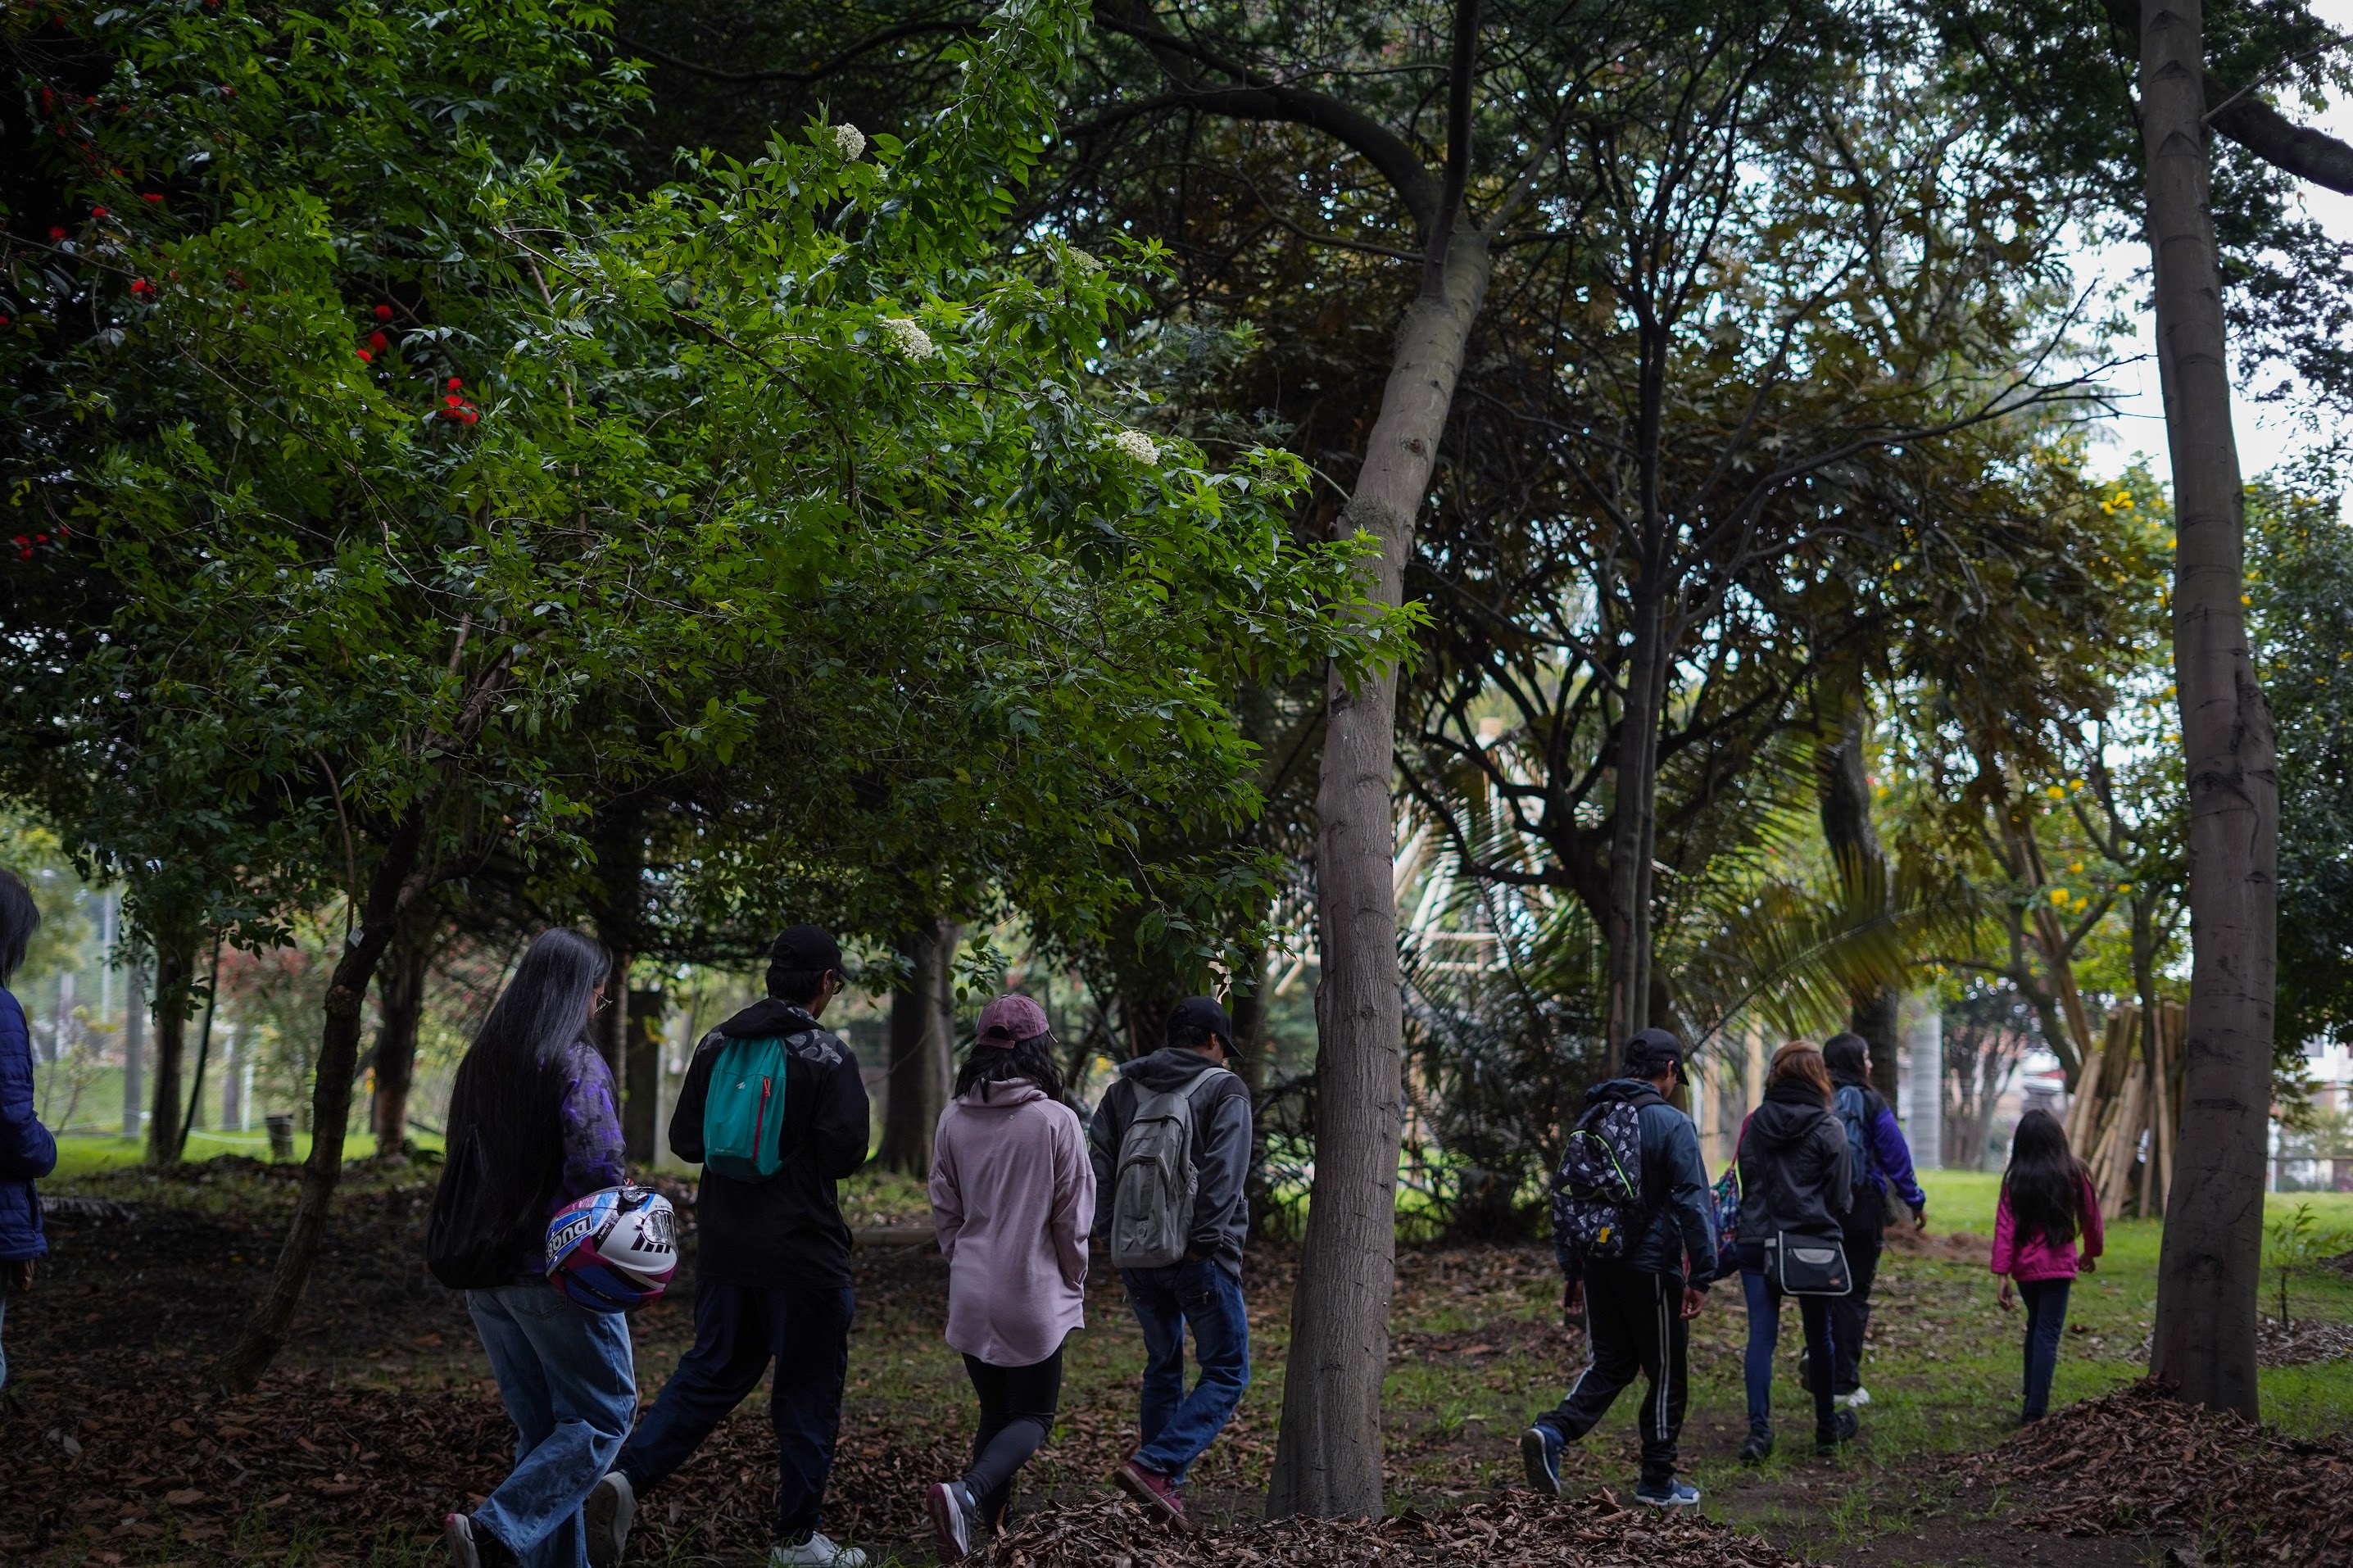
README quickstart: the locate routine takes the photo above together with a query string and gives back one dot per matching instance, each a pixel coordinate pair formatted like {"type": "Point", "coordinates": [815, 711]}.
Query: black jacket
{"type": "Point", "coordinates": [1221, 1145]}
{"type": "Point", "coordinates": [1793, 1171]}
{"type": "Point", "coordinates": [788, 1229]}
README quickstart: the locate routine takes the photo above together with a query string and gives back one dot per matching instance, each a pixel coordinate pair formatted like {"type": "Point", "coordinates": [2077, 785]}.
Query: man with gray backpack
{"type": "Point", "coordinates": [1634, 1231]}
{"type": "Point", "coordinates": [775, 1112]}
{"type": "Point", "coordinates": [1171, 1148]}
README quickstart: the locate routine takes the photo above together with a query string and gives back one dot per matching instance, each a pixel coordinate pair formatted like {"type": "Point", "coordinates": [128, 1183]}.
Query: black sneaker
{"type": "Point", "coordinates": [1828, 1439]}
{"type": "Point", "coordinates": [1758, 1449]}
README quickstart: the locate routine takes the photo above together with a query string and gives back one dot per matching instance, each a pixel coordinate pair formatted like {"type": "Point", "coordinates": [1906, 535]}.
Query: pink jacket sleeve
{"type": "Point", "coordinates": [947, 1200]}
{"type": "Point", "coordinates": [2095, 1234]}
{"type": "Point", "coordinates": [2005, 1240]}
{"type": "Point", "coordinates": [1075, 1198]}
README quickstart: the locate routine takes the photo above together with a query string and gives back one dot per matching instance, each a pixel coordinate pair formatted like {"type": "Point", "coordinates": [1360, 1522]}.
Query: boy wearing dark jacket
{"type": "Point", "coordinates": [1883, 1162]}
{"type": "Point", "coordinates": [1638, 1307]}
{"type": "Point", "coordinates": [1204, 1289]}
{"type": "Point", "coordinates": [772, 1271]}
{"type": "Point", "coordinates": [27, 1152]}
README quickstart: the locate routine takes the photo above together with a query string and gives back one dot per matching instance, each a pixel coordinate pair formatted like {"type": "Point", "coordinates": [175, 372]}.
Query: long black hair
{"type": "Point", "coordinates": [20, 917]}
{"type": "Point", "coordinates": [502, 1095]}
{"type": "Point", "coordinates": [1032, 1058]}
{"type": "Point", "coordinates": [2044, 1183]}
{"type": "Point", "coordinates": [1849, 1058]}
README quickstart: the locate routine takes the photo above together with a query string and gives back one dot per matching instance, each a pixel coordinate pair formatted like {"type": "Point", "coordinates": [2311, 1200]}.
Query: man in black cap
{"type": "Point", "coordinates": [1175, 1109]}
{"type": "Point", "coordinates": [772, 1271]}
{"type": "Point", "coordinates": [1638, 1305]}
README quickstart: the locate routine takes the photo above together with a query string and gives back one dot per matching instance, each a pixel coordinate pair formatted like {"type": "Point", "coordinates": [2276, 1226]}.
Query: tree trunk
{"type": "Point", "coordinates": [390, 890]}
{"type": "Point", "coordinates": [919, 1073]}
{"type": "Point", "coordinates": [2208, 1268]}
{"type": "Point", "coordinates": [621, 874]}
{"type": "Point", "coordinates": [642, 1075]}
{"type": "Point", "coordinates": [1853, 840]}
{"type": "Point", "coordinates": [134, 1042]}
{"type": "Point", "coordinates": [1633, 800]}
{"type": "Point", "coordinates": [175, 968]}
{"type": "Point", "coordinates": [1328, 1453]}
{"type": "Point", "coordinates": [400, 1009]}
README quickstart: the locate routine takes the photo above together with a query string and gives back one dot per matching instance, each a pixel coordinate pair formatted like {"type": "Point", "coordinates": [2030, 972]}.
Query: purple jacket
{"type": "Point", "coordinates": [1891, 1157]}
{"type": "Point", "coordinates": [590, 1125]}
{"type": "Point", "coordinates": [26, 1151]}
{"type": "Point", "coordinates": [1012, 1197]}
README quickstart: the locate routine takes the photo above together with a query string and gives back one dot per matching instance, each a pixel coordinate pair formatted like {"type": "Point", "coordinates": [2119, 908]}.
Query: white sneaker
{"type": "Point", "coordinates": [1855, 1401]}
{"type": "Point", "coordinates": [816, 1551]}
{"type": "Point", "coordinates": [612, 1505]}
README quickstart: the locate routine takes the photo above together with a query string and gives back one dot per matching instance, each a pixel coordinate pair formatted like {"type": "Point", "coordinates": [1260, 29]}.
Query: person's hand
{"type": "Point", "coordinates": [1692, 1301]}
{"type": "Point", "coordinates": [2005, 1293]}
{"type": "Point", "coordinates": [1920, 1217]}
{"type": "Point", "coordinates": [2090, 1266]}
{"type": "Point", "coordinates": [23, 1270]}
{"type": "Point", "coordinates": [1572, 1300]}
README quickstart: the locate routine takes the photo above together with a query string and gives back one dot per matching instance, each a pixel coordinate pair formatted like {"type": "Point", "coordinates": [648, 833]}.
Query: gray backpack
{"type": "Point", "coordinates": [1154, 1183]}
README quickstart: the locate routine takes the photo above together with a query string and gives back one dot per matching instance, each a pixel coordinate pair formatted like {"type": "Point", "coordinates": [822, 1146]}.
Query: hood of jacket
{"type": "Point", "coordinates": [1000, 1094]}
{"type": "Point", "coordinates": [1168, 1069]}
{"type": "Point", "coordinates": [1784, 1123]}
{"type": "Point", "coordinates": [769, 1015]}
{"type": "Point", "coordinates": [1611, 1090]}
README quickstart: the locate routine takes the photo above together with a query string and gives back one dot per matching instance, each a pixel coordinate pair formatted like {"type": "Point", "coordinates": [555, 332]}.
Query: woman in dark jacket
{"type": "Point", "coordinates": [27, 1152]}
{"type": "Point", "coordinates": [533, 1126]}
{"type": "Point", "coordinates": [1793, 1181]}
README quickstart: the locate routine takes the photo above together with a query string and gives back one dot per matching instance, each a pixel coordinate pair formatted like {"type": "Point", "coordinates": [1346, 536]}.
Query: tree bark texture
{"type": "Point", "coordinates": [1328, 1454]}
{"type": "Point", "coordinates": [920, 1069]}
{"type": "Point", "coordinates": [1634, 799]}
{"type": "Point", "coordinates": [2207, 1270]}
{"type": "Point", "coordinates": [642, 1074]}
{"type": "Point", "coordinates": [136, 1003]}
{"type": "Point", "coordinates": [1853, 840]}
{"type": "Point", "coordinates": [400, 1009]}
{"type": "Point", "coordinates": [390, 890]}
{"type": "Point", "coordinates": [175, 967]}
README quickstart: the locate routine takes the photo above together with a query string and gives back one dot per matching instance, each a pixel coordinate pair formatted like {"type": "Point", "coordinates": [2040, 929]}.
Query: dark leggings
{"type": "Point", "coordinates": [2046, 1321]}
{"type": "Point", "coordinates": [1017, 1411]}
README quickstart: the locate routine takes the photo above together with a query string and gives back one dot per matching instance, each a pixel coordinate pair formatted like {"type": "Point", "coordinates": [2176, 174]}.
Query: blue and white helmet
{"type": "Point", "coordinates": [614, 1249]}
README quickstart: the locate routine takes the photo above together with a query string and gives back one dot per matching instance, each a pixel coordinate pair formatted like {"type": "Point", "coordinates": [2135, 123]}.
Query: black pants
{"type": "Point", "coordinates": [1851, 1313]}
{"type": "Point", "coordinates": [1635, 1320]}
{"type": "Point", "coordinates": [1016, 1411]}
{"type": "Point", "coordinates": [738, 1330]}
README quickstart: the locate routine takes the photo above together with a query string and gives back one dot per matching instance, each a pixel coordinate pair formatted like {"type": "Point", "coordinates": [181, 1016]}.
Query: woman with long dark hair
{"type": "Point", "coordinates": [1793, 1182]}
{"type": "Point", "coordinates": [1012, 1197]}
{"type": "Point", "coordinates": [27, 1152]}
{"type": "Point", "coordinates": [533, 1125]}
{"type": "Point", "coordinates": [2047, 1202]}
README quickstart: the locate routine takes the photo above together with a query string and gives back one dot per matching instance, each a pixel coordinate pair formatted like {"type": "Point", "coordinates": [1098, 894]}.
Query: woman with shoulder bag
{"type": "Point", "coordinates": [1012, 1197]}
{"type": "Point", "coordinates": [1794, 1197]}
{"type": "Point", "coordinates": [533, 1127]}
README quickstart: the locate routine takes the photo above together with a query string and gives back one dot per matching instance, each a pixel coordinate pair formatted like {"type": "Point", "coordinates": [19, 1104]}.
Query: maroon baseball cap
{"type": "Point", "coordinates": [1009, 1020]}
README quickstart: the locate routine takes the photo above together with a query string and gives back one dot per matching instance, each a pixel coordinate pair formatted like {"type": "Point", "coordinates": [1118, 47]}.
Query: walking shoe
{"type": "Point", "coordinates": [1673, 1494]}
{"type": "Point", "coordinates": [472, 1546]}
{"type": "Point", "coordinates": [953, 1512]}
{"type": "Point", "coordinates": [1855, 1401]}
{"type": "Point", "coordinates": [1155, 1492]}
{"type": "Point", "coordinates": [1540, 1458]}
{"type": "Point", "coordinates": [612, 1506]}
{"type": "Point", "coordinates": [1827, 1439]}
{"type": "Point", "coordinates": [1758, 1449]}
{"type": "Point", "coordinates": [814, 1551]}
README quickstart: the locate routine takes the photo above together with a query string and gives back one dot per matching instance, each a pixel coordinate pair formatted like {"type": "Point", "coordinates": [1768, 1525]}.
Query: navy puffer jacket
{"type": "Point", "coordinates": [27, 1152]}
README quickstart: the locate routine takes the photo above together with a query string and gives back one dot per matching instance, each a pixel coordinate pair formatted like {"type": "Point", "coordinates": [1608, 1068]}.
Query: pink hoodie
{"type": "Point", "coordinates": [1012, 1197]}
{"type": "Point", "coordinates": [2036, 1258]}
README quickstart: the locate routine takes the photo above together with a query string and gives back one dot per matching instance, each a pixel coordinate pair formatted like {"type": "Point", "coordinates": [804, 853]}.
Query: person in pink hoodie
{"type": "Point", "coordinates": [2046, 1203]}
{"type": "Point", "coordinates": [1012, 1197]}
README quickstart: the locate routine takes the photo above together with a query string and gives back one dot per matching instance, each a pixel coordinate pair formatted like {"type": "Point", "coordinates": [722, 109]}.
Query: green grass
{"type": "Point", "coordinates": [80, 1155]}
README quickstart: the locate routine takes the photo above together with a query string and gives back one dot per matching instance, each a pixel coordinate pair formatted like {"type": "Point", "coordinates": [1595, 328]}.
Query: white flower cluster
{"type": "Point", "coordinates": [848, 141]}
{"type": "Point", "coordinates": [913, 341]}
{"type": "Point", "coordinates": [1137, 445]}
{"type": "Point", "coordinates": [1083, 261]}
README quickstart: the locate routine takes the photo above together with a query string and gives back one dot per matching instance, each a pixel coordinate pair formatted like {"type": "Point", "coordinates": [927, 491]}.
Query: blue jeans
{"type": "Point", "coordinates": [1764, 1336]}
{"type": "Point", "coordinates": [2046, 1319]}
{"type": "Point", "coordinates": [572, 1391]}
{"type": "Point", "coordinates": [738, 1330]}
{"type": "Point", "coordinates": [1178, 1426]}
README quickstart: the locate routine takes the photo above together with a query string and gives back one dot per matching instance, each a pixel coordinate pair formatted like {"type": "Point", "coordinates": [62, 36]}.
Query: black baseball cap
{"type": "Point", "coordinates": [804, 948]}
{"type": "Point", "coordinates": [1203, 1013]}
{"type": "Point", "coordinates": [1653, 1052]}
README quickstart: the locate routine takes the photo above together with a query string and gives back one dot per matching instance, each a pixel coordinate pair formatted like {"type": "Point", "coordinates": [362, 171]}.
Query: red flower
{"type": "Point", "coordinates": [376, 342]}
{"type": "Point", "coordinates": [156, 198]}
{"type": "Point", "coordinates": [455, 385]}
{"type": "Point", "coordinates": [56, 233]}
{"type": "Point", "coordinates": [140, 287]}
{"type": "Point", "coordinates": [4, 320]}
{"type": "Point", "coordinates": [98, 211]}
{"type": "Point", "coordinates": [48, 101]}
{"type": "Point", "coordinates": [22, 541]}
{"type": "Point", "coordinates": [384, 312]}
{"type": "Point", "coordinates": [364, 356]}
{"type": "Point", "coordinates": [469, 416]}
{"type": "Point", "coordinates": [227, 92]}
{"type": "Point", "coordinates": [40, 539]}
{"type": "Point", "coordinates": [454, 401]}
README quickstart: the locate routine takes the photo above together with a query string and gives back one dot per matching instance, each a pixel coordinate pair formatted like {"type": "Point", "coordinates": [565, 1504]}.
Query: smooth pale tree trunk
{"type": "Point", "coordinates": [400, 1011]}
{"type": "Point", "coordinates": [642, 1074]}
{"type": "Point", "coordinates": [1328, 1454]}
{"type": "Point", "coordinates": [919, 1071]}
{"type": "Point", "coordinates": [175, 965]}
{"type": "Point", "coordinates": [136, 1003]}
{"type": "Point", "coordinates": [390, 890]}
{"type": "Point", "coordinates": [1634, 799]}
{"type": "Point", "coordinates": [2207, 1270]}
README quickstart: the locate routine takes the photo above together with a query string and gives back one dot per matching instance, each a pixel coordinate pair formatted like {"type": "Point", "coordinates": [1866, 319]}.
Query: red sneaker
{"type": "Point", "coordinates": [1155, 1492]}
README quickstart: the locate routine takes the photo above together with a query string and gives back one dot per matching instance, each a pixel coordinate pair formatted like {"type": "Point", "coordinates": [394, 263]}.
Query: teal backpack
{"type": "Point", "coordinates": [743, 1108]}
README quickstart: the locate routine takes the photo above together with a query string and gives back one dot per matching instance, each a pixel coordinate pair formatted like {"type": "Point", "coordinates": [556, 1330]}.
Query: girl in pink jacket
{"type": "Point", "coordinates": [2046, 1201]}
{"type": "Point", "coordinates": [1012, 1197]}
